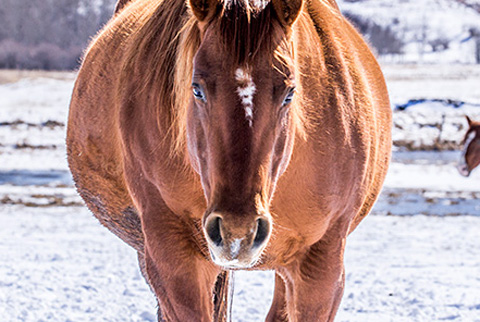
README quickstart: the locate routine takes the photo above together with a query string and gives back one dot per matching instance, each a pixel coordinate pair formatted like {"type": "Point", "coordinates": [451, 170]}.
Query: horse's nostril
{"type": "Point", "coordinates": [213, 230]}
{"type": "Point", "coordinates": [263, 229]}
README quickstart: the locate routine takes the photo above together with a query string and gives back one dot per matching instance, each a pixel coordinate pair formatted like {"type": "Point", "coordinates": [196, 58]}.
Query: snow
{"type": "Point", "coordinates": [36, 100]}
{"type": "Point", "coordinates": [60, 264]}
{"type": "Point", "coordinates": [415, 258]}
{"type": "Point", "coordinates": [419, 24]}
{"type": "Point", "coordinates": [432, 124]}
{"type": "Point", "coordinates": [412, 269]}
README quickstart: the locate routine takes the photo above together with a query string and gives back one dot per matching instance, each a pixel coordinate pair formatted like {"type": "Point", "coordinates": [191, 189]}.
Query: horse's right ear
{"type": "Point", "coordinates": [204, 9]}
{"type": "Point", "coordinates": [468, 120]}
{"type": "Point", "coordinates": [287, 11]}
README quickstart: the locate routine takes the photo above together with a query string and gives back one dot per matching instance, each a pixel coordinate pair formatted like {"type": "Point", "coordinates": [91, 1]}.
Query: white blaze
{"type": "Point", "coordinates": [462, 165]}
{"type": "Point", "coordinates": [469, 140]}
{"type": "Point", "coordinates": [246, 90]}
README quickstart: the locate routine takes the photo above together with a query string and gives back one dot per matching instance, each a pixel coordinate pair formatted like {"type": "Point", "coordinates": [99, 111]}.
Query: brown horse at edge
{"type": "Point", "coordinates": [470, 158]}
{"type": "Point", "coordinates": [218, 135]}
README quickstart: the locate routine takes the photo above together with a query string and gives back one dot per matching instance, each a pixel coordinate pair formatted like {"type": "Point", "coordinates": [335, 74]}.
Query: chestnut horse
{"type": "Point", "coordinates": [214, 135]}
{"type": "Point", "coordinates": [471, 148]}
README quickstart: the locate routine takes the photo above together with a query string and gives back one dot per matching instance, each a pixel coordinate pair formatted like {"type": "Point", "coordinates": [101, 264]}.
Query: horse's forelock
{"type": "Point", "coordinates": [253, 6]}
{"type": "Point", "coordinates": [248, 27]}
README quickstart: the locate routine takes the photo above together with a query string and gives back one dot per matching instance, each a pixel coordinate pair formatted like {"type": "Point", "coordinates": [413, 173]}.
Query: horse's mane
{"type": "Point", "coordinates": [148, 68]}
{"type": "Point", "coordinates": [162, 50]}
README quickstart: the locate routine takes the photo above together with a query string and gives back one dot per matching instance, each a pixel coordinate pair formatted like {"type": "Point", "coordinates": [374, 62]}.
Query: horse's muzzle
{"type": "Point", "coordinates": [236, 241]}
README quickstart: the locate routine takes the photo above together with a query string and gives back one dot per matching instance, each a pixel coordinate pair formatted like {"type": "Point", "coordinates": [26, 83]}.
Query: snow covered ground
{"type": "Point", "coordinates": [59, 264]}
{"type": "Point", "coordinates": [415, 258]}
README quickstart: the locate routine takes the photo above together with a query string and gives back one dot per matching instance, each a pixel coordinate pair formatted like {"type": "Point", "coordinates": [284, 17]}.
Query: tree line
{"type": "Point", "coordinates": [49, 34]}
{"type": "Point", "coordinates": [52, 34]}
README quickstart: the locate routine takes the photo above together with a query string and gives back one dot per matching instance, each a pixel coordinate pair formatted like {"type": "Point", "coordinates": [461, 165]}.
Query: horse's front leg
{"type": "Point", "coordinates": [278, 309]}
{"type": "Point", "coordinates": [181, 276]}
{"type": "Point", "coordinates": [183, 280]}
{"type": "Point", "coordinates": [314, 283]}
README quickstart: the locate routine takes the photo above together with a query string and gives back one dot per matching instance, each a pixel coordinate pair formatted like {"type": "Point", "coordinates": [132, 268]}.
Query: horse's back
{"type": "Point", "coordinates": [93, 137]}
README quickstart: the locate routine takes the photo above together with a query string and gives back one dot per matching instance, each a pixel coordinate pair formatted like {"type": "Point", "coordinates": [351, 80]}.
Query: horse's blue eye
{"type": "Point", "coordinates": [288, 99]}
{"type": "Point", "coordinates": [198, 92]}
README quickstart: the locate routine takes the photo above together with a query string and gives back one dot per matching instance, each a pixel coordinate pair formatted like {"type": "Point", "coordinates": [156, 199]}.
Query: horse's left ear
{"type": "Point", "coordinates": [287, 11]}
{"type": "Point", "coordinates": [204, 9]}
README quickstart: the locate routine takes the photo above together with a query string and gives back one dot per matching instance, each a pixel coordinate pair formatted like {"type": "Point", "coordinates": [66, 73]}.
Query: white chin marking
{"type": "Point", "coordinates": [235, 247]}
{"type": "Point", "coordinates": [246, 90]}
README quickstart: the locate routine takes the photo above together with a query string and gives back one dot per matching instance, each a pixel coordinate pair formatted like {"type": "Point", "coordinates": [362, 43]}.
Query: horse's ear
{"type": "Point", "coordinates": [204, 9]}
{"type": "Point", "coordinates": [287, 11]}
{"type": "Point", "coordinates": [468, 120]}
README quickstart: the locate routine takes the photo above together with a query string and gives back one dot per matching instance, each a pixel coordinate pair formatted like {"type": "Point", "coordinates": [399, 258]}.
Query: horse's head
{"type": "Point", "coordinates": [240, 122]}
{"type": "Point", "coordinates": [471, 149]}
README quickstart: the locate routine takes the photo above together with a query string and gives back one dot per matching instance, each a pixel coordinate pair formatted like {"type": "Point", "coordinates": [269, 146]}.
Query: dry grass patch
{"type": "Point", "coordinates": [14, 75]}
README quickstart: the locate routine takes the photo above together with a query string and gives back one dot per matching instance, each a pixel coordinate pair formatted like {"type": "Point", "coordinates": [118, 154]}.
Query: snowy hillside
{"type": "Point", "coordinates": [422, 31]}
